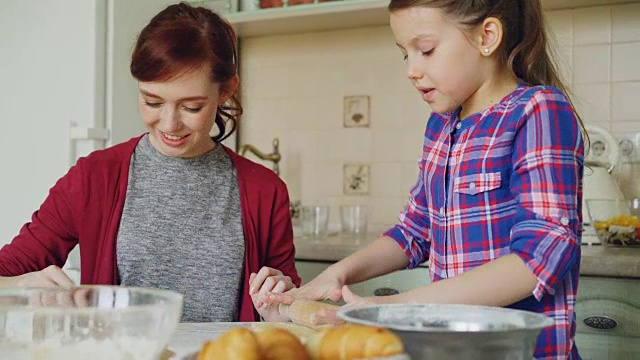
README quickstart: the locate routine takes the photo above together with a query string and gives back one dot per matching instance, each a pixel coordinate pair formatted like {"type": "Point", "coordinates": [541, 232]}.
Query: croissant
{"type": "Point", "coordinates": [344, 342]}
{"type": "Point", "coordinates": [236, 344]}
{"type": "Point", "coordinates": [353, 341]}
{"type": "Point", "coordinates": [243, 344]}
{"type": "Point", "coordinates": [279, 344]}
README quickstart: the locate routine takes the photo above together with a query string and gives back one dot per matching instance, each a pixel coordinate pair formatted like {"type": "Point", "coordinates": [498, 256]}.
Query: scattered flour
{"type": "Point", "coordinates": [132, 348]}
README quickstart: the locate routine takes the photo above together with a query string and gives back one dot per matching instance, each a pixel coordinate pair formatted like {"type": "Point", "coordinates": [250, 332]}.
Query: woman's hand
{"type": "Point", "coordinates": [267, 281]}
{"type": "Point", "coordinates": [51, 276]}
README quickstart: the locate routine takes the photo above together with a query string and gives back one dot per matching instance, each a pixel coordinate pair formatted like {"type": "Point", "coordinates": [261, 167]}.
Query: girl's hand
{"type": "Point", "coordinates": [324, 287]}
{"type": "Point", "coordinates": [351, 300]}
{"type": "Point", "coordinates": [268, 280]}
{"type": "Point", "coordinates": [51, 276]}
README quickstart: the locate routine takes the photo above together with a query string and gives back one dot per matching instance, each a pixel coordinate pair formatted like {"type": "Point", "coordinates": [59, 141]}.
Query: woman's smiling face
{"type": "Point", "coordinates": [180, 113]}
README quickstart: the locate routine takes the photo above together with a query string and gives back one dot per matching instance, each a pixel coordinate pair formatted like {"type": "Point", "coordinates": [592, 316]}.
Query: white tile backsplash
{"type": "Point", "coordinates": [386, 210]}
{"type": "Point", "coordinates": [626, 101]}
{"type": "Point", "coordinates": [331, 175]}
{"type": "Point", "coordinates": [387, 111]}
{"type": "Point", "coordinates": [592, 26]}
{"type": "Point", "coordinates": [408, 177]}
{"type": "Point", "coordinates": [387, 145]}
{"type": "Point", "coordinates": [563, 58]}
{"type": "Point", "coordinates": [591, 64]}
{"type": "Point", "coordinates": [391, 77]}
{"type": "Point", "coordinates": [294, 85]}
{"type": "Point", "coordinates": [303, 81]}
{"type": "Point", "coordinates": [273, 52]}
{"type": "Point", "coordinates": [277, 119]}
{"type": "Point", "coordinates": [356, 77]}
{"type": "Point", "coordinates": [415, 113]}
{"type": "Point", "coordinates": [626, 22]}
{"type": "Point", "coordinates": [561, 22]}
{"type": "Point", "coordinates": [387, 182]}
{"type": "Point", "coordinates": [347, 146]}
{"type": "Point", "coordinates": [269, 82]}
{"type": "Point", "coordinates": [313, 113]}
{"type": "Point", "coordinates": [593, 102]}
{"type": "Point", "coordinates": [626, 61]}
{"type": "Point", "coordinates": [626, 127]}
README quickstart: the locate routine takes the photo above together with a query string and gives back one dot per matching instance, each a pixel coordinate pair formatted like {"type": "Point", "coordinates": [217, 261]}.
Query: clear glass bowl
{"type": "Point", "coordinates": [87, 322]}
{"type": "Point", "coordinates": [616, 222]}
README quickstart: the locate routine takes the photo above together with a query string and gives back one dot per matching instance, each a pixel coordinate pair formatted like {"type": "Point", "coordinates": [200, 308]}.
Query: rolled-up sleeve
{"type": "Point", "coordinates": [412, 230]}
{"type": "Point", "coordinates": [548, 164]}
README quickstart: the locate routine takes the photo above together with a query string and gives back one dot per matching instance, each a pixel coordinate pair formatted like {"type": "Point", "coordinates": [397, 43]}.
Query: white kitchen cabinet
{"type": "Point", "coordinates": [608, 318]}
{"type": "Point", "coordinates": [398, 281]}
{"type": "Point", "coordinates": [345, 14]}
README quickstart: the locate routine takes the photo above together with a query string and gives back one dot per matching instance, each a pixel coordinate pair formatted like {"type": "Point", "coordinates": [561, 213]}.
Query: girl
{"type": "Point", "coordinates": [497, 206]}
{"type": "Point", "coordinates": [172, 208]}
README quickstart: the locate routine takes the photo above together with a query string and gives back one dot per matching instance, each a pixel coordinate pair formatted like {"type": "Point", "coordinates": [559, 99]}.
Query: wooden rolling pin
{"type": "Point", "coordinates": [300, 312]}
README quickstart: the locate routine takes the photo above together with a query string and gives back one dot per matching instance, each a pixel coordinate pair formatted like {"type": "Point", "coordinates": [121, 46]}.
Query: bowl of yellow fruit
{"type": "Point", "coordinates": [616, 222]}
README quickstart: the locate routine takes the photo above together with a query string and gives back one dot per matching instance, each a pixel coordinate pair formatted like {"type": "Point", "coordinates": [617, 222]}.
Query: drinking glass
{"type": "Point", "coordinates": [315, 221]}
{"type": "Point", "coordinates": [354, 220]}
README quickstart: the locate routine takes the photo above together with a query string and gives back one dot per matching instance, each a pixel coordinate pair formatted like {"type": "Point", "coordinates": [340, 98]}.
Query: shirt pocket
{"type": "Point", "coordinates": [477, 183]}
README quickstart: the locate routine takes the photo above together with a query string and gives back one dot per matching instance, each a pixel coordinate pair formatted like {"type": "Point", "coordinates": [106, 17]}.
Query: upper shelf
{"type": "Point", "coordinates": [343, 14]}
{"type": "Point", "coordinates": [323, 16]}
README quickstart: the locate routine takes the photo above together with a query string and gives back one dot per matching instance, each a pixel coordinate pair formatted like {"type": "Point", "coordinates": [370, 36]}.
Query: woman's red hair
{"type": "Point", "coordinates": [181, 38]}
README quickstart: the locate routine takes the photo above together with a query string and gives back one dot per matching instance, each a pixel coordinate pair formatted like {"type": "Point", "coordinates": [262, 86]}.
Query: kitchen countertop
{"type": "Point", "coordinates": [189, 337]}
{"type": "Point", "coordinates": [597, 260]}
{"type": "Point", "coordinates": [334, 247]}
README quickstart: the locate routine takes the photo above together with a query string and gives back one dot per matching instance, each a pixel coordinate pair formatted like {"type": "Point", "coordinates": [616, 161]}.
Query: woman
{"type": "Point", "coordinates": [173, 208]}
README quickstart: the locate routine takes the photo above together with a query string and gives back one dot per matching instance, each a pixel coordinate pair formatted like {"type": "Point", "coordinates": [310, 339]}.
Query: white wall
{"type": "Point", "coordinates": [293, 88]}
{"type": "Point", "coordinates": [62, 61]}
{"type": "Point", "coordinates": [47, 72]}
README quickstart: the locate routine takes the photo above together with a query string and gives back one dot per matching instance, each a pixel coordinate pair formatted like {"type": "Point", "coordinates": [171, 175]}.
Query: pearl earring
{"type": "Point", "coordinates": [486, 51]}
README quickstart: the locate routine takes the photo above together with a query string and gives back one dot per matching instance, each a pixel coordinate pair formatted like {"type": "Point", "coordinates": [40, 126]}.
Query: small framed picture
{"type": "Point", "coordinates": [356, 179]}
{"type": "Point", "coordinates": [356, 111]}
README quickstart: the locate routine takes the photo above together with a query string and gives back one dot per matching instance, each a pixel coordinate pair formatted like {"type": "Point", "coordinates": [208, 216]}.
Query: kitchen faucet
{"type": "Point", "coordinates": [294, 206]}
{"type": "Point", "coordinates": [273, 157]}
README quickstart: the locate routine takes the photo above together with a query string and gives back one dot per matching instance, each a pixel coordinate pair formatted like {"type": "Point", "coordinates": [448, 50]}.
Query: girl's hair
{"type": "Point", "coordinates": [524, 49]}
{"type": "Point", "coordinates": [181, 38]}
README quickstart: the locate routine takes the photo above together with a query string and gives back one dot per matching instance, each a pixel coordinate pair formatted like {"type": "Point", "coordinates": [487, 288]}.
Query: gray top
{"type": "Point", "coordinates": [181, 230]}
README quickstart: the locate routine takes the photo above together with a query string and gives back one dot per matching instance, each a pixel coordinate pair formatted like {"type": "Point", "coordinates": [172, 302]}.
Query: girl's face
{"type": "Point", "coordinates": [180, 113]}
{"type": "Point", "coordinates": [442, 62]}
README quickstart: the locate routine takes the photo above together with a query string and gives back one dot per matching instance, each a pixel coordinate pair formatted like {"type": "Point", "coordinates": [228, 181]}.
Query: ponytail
{"type": "Point", "coordinates": [530, 59]}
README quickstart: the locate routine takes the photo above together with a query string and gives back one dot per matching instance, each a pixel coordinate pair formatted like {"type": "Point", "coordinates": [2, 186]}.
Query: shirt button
{"type": "Point", "coordinates": [458, 126]}
{"type": "Point", "coordinates": [472, 186]}
{"type": "Point", "coordinates": [442, 210]}
{"type": "Point", "coordinates": [564, 221]}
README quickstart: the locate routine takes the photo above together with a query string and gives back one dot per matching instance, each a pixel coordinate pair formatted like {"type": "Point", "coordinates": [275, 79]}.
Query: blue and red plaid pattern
{"type": "Point", "coordinates": [507, 180]}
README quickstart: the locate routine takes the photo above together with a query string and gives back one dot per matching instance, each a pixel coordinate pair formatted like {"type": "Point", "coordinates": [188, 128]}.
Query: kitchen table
{"type": "Point", "coordinates": [189, 337]}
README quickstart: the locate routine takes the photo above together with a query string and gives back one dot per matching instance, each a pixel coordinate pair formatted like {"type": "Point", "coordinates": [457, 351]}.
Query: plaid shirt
{"type": "Point", "coordinates": [504, 181]}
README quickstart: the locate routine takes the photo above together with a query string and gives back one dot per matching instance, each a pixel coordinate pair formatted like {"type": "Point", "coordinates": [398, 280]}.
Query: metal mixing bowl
{"type": "Point", "coordinates": [459, 332]}
{"type": "Point", "coordinates": [88, 322]}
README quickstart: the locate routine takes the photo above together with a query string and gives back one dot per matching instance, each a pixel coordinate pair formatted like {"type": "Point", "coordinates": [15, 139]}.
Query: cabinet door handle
{"type": "Point", "coordinates": [600, 322]}
{"type": "Point", "coordinates": [385, 291]}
